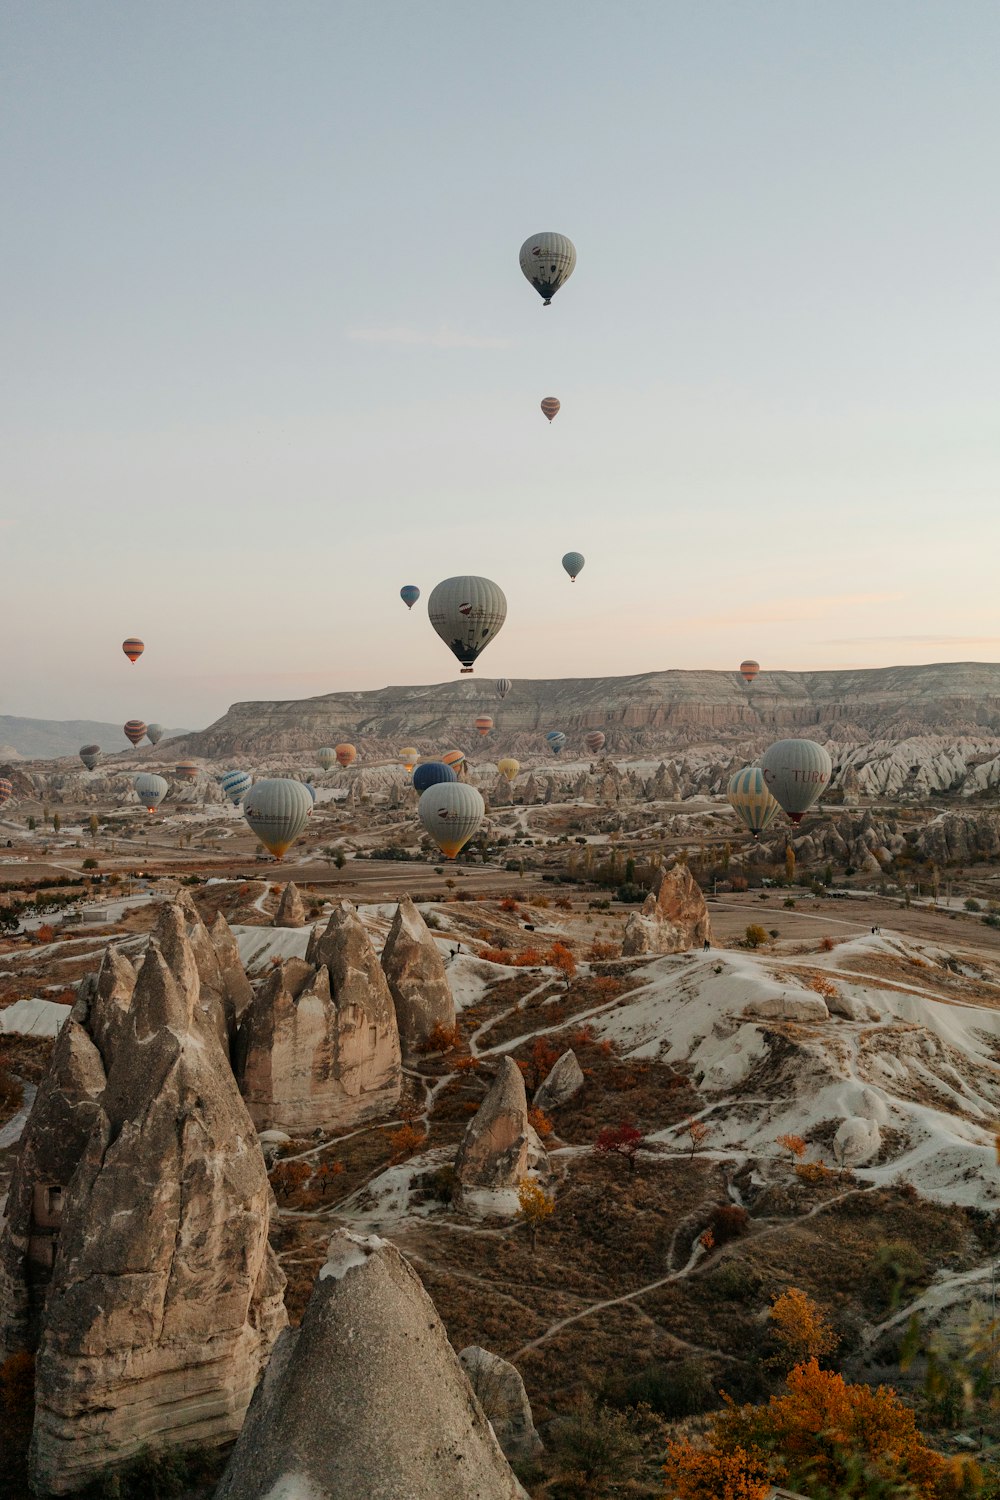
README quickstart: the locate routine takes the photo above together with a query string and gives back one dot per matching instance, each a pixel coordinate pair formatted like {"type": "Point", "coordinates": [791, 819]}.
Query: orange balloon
{"type": "Point", "coordinates": [133, 648]}
{"type": "Point", "coordinates": [484, 724]}
{"type": "Point", "coordinates": [749, 670]}
{"type": "Point", "coordinates": [346, 755]}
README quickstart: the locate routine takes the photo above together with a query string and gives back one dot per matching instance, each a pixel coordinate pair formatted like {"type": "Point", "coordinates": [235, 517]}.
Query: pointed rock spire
{"type": "Point", "coordinates": [417, 979]}
{"type": "Point", "coordinates": [500, 1147]}
{"type": "Point", "coordinates": [291, 912]}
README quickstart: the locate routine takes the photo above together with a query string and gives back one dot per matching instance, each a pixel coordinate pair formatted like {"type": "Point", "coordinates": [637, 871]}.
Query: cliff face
{"type": "Point", "coordinates": [636, 713]}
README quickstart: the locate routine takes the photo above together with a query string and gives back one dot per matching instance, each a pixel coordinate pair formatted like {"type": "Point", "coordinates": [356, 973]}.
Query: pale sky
{"type": "Point", "coordinates": [268, 354]}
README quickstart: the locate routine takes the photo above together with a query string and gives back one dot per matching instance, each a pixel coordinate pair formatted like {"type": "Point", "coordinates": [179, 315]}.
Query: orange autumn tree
{"type": "Point", "coordinates": [820, 1435]}
{"type": "Point", "coordinates": [801, 1327]}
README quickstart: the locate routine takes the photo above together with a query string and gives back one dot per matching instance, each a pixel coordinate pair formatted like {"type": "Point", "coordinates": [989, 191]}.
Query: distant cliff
{"type": "Point", "coordinates": [647, 713]}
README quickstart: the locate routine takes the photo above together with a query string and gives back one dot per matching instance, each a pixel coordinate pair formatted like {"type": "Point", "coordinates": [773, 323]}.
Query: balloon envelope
{"type": "Point", "coordinates": [556, 739]}
{"type": "Point", "coordinates": [135, 730]}
{"type": "Point", "coordinates": [508, 767]}
{"type": "Point", "coordinates": [573, 563]}
{"type": "Point", "coordinates": [326, 756]}
{"type": "Point", "coordinates": [432, 773]}
{"type": "Point", "coordinates": [548, 260]}
{"type": "Point", "coordinates": [90, 755]}
{"type": "Point", "coordinates": [749, 796]}
{"type": "Point", "coordinates": [550, 406]}
{"type": "Point", "coordinates": [749, 670]}
{"type": "Point", "coordinates": [154, 733]}
{"type": "Point", "coordinates": [484, 723]}
{"type": "Point", "coordinates": [409, 594]}
{"type": "Point", "coordinates": [467, 612]}
{"type": "Point", "coordinates": [187, 770]}
{"type": "Point", "coordinates": [455, 759]}
{"type": "Point", "coordinates": [235, 785]}
{"type": "Point", "coordinates": [6, 790]}
{"type": "Point", "coordinates": [796, 773]}
{"type": "Point", "coordinates": [408, 756]}
{"type": "Point", "coordinates": [150, 789]}
{"type": "Point", "coordinates": [277, 810]}
{"type": "Point", "coordinates": [504, 686]}
{"type": "Point", "coordinates": [451, 813]}
{"type": "Point", "coordinates": [594, 741]}
{"type": "Point", "coordinates": [133, 648]}
{"type": "Point", "coordinates": [346, 755]}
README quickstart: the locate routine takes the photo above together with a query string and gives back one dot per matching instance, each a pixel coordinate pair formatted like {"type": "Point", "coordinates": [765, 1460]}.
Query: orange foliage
{"type": "Point", "coordinates": [405, 1141]}
{"type": "Point", "coordinates": [498, 956]}
{"type": "Point", "coordinates": [812, 1171]}
{"type": "Point", "coordinates": [827, 944]}
{"type": "Point", "coordinates": [466, 1064]}
{"type": "Point", "coordinates": [528, 958]}
{"type": "Point", "coordinates": [599, 951]}
{"type": "Point", "coordinates": [801, 1327]}
{"type": "Point", "coordinates": [45, 933]}
{"type": "Point", "coordinates": [706, 1240]}
{"type": "Point", "coordinates": [824, 987]}
{"type": "Point", "coordinates": [541, 1122]}
{"type": "Point", "coordinates": [289, 1175]}
{"type": "Point", "coordinates": [793, 1144]}
{"type": "Point", "coordinates": [509, 904]}
{"type": "Point", "coordinates": [694, 1474]}
{"type": "Point", "coordinates": [606, 986]}
{"type": "Point", "coordinates": [697, 1133]}
{"type": "Point", "coordinates": [562, 959]}
{"type": "Point", "coordinates": [441, 1039]}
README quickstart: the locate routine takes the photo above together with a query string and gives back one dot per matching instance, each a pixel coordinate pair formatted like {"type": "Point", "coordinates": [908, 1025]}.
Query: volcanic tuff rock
{"type": "Point", "coordinates": [564, 1081]}
{"type": "Point", "coordinates": [500, 1147]}
{"type": "Point", "coordinates": [165, 1297]}
{"type": "Point", "coordinates": [397, 1417]}
{"type": "Point", "coordinates": [673, 919]}
{"type": "Point", "coordinates": [319, 1047]}
{"type": "Point", "coordinates": [500, 1391]}
{"type": "Point", "coordinates": [291, 912]}
{"type": "Point", "coordinates": [417, 980]}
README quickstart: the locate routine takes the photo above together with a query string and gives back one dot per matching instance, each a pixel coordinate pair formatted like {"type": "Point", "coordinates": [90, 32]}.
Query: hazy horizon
{"type": "Point", "coordinates": [270, 355]}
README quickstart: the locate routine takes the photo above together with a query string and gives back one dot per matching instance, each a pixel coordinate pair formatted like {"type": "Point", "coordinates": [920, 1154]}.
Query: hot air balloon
{"type": "Point", "coordinates": [277, 811]}
{"type": "Point", "coordinates": [550, 406]}
{"type": "Point", "coordinates": [235, 785]}
{"type": "Point", "coordinates": [312, 792]}
{"type": "Point", "coordinates": [751, 799]}
{"type": "Point", "coordinates": [503, 686]}
{"type": "Point", "coordinates": [6, 790]}
{"type": "Point", "coordinates": [154, 733]}
{"type": "Point", "coordinates": [508, 767]}
{"type": "Point", "coordinates": [451, 813]}
{"type": "Point", "coordinates": [484, 724]}
{"type": "Point", "coordinates": [409, 594]}
{"type": "Point", "coordinates": [556, 740]}
{"type": "Point", "coordinates": [150, 790]}
{"type": "Point", "coordinates": [467, 612]}
{"type": "Point", "coordinates": [90, 755]}
{"type": "Point", "coordinates": [573, 563]}
{"type": "Point", "coordinates": [594, 741]}
{"type": "Point", "coordinates": [547, 260]}
{"type": "Point", "coordinates": [133, 648]}
{"type": "Point", "coordinates": [135, 730]}
{"type": "Point", "coordinates": [455, 759]}
{"type": "Point", "coordinates": [326, 756]}
{"type": "Point", "coordinates": [796, 773]}
{"type": "Point", "coordinates": [408, 756]}
{"type": "Point", "coordinates": [186, 770]}
{"type": "Point", "coordinates": [749, 670]}
{"type": "Point", "coordinates": [432, 773]}
{"type": "Point", "coordinates": [346, 755]}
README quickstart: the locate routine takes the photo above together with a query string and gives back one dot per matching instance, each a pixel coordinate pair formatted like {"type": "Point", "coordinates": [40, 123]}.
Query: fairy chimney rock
{"type": "Point", "coordinates": [319, 1046]}
{"type": "Point", "coordinates": [499, 1147]}
{"type": "Point", "coordinates": [166, 1296]}
{"type": "Point", "coordinates": [418, 982]}
{"type": "Point", "coordinates": [564, 1080]}
{"type": "Point", "coordinates": [398, 1415]}
{"type": "Point", "coordinates": [291, 912]}
{"type": "Point", "coordinates": [673, 919]}
{"type": "Point", "coordinates": [500, 1391]}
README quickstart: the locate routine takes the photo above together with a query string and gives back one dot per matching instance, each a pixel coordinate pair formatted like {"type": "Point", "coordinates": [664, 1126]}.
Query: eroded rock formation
{"type": "Point", "coordinates": [417, 980]}
{"type": "Point", "coordinates": [367, 1399]}
{"type": "Point", "coordinates": [500, 1392]}
{"type": "Point", "coordinates": [500, 1147]}
{"type": "Point", "coordinates": [319, 1047]}
{"type": "Point", "coordinates": [165, 1296]}
{"type": "Point", "coordinates": [564, 1080]}
{"type": "Point", "coordinates": [673, 919]}
{"type": "Point", "coordinates": [291, 911]}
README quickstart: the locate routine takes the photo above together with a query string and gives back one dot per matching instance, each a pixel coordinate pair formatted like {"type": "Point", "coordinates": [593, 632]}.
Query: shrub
{"type": "Point", "coordinates": [789, 901]}
{"type": "Point", "coordinates": [895, 1269]}
{"type": "Point", "coordinates": [594, 1445]}
{"type": "Point", "coordinates": [728, 1222]}
{"type": "Point", "coordinates": [801, 1328]}
{"type": "Point", "coordinates": [535, 1205]}
{"type": "Point", "coordinates": [694, 1473]}
{"type": "Point", "coordinates": [528, 958]}
{"type": "Point", "coordinates": [90, 864]}
{"type": "Point", "coordinates": [540, 1122]}
{"type": "Point", "coordinates": [736, 1280]}
{"type": "Point", "coordinates": [673, 1391]}
{"type": "Point", "coordinates": [562, 959]}
{"type": "Point", "coordinates": [754, 936]}
{"type": "Point", "coordinates": [971, 904]}
{"type": "Point", "coordinates": [823, 986]}
{"type": "Point", "coordinates": [793, 1144]}
{"type": "Point", "coordinates": [441, 1039]}
{"type": "Point", "coordinates": [405, 1141]}
{"type": "Point", "coordinates": [599, 951]}
{"type": "Point", "coordinates": [621, 1140]}
{"type": "Point", "coordinates": [827, 944]}
{"type": "Point", "coordinates": [509, 904]}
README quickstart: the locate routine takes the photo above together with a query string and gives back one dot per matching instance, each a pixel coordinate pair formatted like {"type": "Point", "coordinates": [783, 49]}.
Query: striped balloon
{"type": "Point", "coordinates": [6, 790]}
{"type": "Point", "coordinates": [455, 759]}
{"type": "Point", "coordinates": [556, 740]}
{"type": "Point", "coordinates": [484, 724]}
{"type": "Point", "coordinates": [133, 648]}
{"type": "Point", "coordinates": [550, 406]}
{"type": "Point", "coordinates": [749, 670]}
{"type": "Point", "coordinates": [409, 594]}
{"type": "Point", "coordinates": [90, 755]}
{"type": "Point", "coordinates": [751, 800]}
{"type": "Point", "coordinates": [235, 785]}
{"type": "Point", "coordinates": [135, 730]}
{"type": "Point", "coordinates": [594, 741]}
{"type": "Point", "coordinates": [327, 756]}
{"type": "Point", "coordinates": [408, 756]}
{"type": "Point", "coordinates": [503, 686]}
{"type": "Point", "coordinates": [187, 770]}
